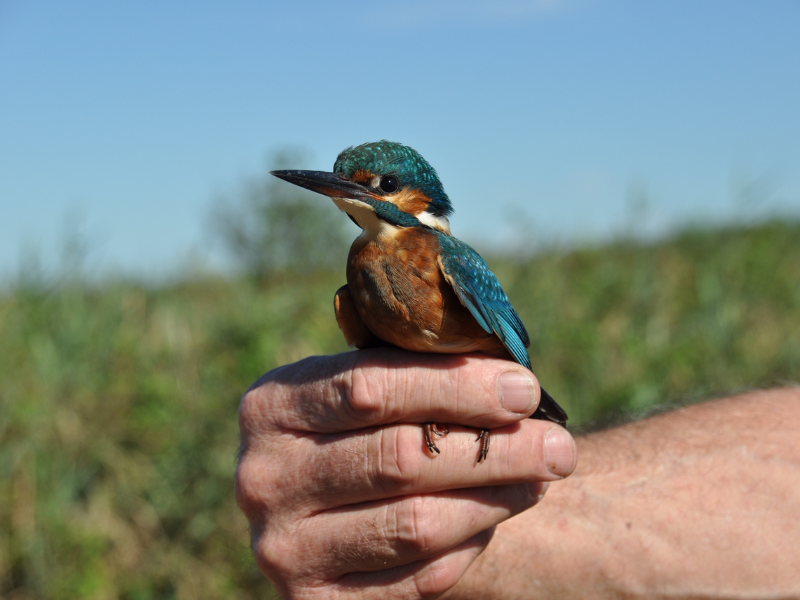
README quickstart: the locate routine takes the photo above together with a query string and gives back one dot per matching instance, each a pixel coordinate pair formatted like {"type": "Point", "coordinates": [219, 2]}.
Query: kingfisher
{"type": "Point", "coordinates": [410, 283]}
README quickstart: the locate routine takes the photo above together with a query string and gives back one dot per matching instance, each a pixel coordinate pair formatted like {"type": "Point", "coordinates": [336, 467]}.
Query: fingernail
{"type": "Point", "coordinates": [542, 491]}
{"type": "Point", "coordinates": [516, 392]}
{"type": "Point", "coordinates": [559, 452]}
{"type": "Point", "coordinates": [538, 489]}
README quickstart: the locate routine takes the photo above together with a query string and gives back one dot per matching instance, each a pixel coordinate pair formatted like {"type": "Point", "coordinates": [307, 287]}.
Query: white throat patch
{"type": "Point", "coordinates": [366, 218]}
{"type": "Point", "coordinates": [440, 223]}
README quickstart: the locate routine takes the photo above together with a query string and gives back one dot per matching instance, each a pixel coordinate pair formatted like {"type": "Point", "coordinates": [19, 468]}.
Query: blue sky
{"type": "Point", "coordinates": [560, 121]}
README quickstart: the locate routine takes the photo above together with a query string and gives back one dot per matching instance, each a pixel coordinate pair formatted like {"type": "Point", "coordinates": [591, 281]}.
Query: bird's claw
{"type": "Point", "coordinates": [483, 437]}
{"type": "Point", "coordinates": [432, 429]}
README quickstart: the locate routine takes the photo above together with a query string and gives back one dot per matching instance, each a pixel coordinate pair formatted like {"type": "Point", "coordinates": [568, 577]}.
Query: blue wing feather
{"type": "Point", "coordinates": [480, 292]}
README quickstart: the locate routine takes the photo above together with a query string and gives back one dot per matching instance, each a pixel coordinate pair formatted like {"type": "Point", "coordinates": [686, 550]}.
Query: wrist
{"type": "Point", "coordinates": [573, 544]}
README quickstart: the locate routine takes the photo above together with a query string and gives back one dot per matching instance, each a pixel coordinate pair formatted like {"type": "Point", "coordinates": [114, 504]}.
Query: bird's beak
{"type": "Point", "coordinates": [334, 185]}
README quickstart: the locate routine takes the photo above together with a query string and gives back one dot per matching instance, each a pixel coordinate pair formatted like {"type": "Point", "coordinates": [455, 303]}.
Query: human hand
{"type": "Point", "coordinates": [343, 498]}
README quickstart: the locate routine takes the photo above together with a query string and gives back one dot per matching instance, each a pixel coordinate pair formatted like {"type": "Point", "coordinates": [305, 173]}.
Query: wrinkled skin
{"type": "Point", "coordinates": [344, 499]}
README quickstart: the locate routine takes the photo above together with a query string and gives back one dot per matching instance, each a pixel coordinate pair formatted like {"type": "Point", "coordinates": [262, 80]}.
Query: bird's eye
{"type": "Point", "coordinates": [389, 183]}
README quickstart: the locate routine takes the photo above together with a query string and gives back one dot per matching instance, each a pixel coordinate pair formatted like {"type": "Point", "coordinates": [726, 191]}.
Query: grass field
{"type": "Point", "coordinates": [118, 402]}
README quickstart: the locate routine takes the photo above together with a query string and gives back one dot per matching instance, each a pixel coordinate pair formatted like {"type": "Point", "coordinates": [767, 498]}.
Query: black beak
{"type": "Point", "coordinates": [334, 185]}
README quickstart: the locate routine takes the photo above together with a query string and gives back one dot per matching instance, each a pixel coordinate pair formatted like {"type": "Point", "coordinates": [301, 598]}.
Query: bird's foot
{"type": "Point", "coordinates": [483, 437]}
{"type": "Point", "coordinates": [432, 429]}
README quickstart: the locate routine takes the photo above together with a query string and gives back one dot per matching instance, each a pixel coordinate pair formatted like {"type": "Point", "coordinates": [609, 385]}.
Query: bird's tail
{"type": "Point", "coordinates": [549, 410]}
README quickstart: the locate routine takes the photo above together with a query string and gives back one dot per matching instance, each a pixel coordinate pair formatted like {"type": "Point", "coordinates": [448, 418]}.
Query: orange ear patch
{"type": "Point", "coordinates": [410, 201]}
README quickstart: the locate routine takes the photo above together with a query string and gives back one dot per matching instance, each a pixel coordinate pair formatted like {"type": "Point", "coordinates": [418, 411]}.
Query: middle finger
{"type": "Point", "coordinates": [377, 463]}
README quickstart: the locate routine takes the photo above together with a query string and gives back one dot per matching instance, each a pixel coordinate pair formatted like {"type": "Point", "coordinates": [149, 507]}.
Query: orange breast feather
{"type": "Point", "coordinates": [400, 293]}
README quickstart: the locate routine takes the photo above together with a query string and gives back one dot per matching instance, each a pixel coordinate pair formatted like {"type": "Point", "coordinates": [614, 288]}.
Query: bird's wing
{"type": "Point", "coordinates": [480, 292]}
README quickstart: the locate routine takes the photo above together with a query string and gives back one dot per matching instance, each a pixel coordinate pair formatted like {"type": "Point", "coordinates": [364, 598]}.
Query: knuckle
{"type": "Point", "coordinates": [251, 484]}
{"type": "Point", "coordinates": [254, 409]}
{"type": "Point", "coordinates": [276, 555]}
{"type": "Point", "coordinates": [437, 578]}
{"type": "Point", "coordinates": [396, 465]}
{"type": "Point", "coordinates": [415, 526]}
{"type": "Point", "coordinates": [442, 575]}
{"type": "Point", "coordinates": [363, 398]}
{"type": "Point", "coordinates": [288, 556]}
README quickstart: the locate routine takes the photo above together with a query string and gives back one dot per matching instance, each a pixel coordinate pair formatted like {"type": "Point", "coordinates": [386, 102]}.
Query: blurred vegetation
{"type": "Point", "coordinates": [118, 401]}
{"type": "Point", "coordinates": [269, 226]}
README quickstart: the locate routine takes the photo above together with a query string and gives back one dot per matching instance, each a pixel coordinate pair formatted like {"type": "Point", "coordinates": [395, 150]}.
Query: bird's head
{"type": "Point", "coordinates": [383, 181]}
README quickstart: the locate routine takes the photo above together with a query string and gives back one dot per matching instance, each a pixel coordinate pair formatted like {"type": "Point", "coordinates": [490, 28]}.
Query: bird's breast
{"type": "Point", "coordinates": [401, 295]}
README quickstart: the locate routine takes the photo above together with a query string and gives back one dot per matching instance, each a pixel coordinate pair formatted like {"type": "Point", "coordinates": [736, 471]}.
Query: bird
{"type": "Point", "coordinates": [410, 282]}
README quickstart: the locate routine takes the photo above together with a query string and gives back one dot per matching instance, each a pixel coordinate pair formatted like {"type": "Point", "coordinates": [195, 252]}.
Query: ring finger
{"type": "Point", "coordinates": [381, 535]}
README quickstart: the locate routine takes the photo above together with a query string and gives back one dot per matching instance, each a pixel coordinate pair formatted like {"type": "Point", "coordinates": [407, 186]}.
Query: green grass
{"type": "Point", "coordinates": [118, 402]}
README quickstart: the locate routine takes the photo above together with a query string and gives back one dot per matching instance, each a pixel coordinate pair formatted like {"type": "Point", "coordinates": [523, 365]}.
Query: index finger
{"type": "Point", "coordinates": [366, 388]}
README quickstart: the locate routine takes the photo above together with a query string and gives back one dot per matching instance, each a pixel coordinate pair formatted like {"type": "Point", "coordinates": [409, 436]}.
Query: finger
{"type": "Point", "coordinates": [375, 387]}
{"type": "Point", "coordinates": [374, 464]}
{"type": "Point", "coordinates": [426, 579]}
{"type": "Point", "coordinates": [381, 535]}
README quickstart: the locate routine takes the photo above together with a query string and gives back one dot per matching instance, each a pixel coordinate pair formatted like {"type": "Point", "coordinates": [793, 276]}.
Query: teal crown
{"type": "Point", "coordinates": [405, 163]}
